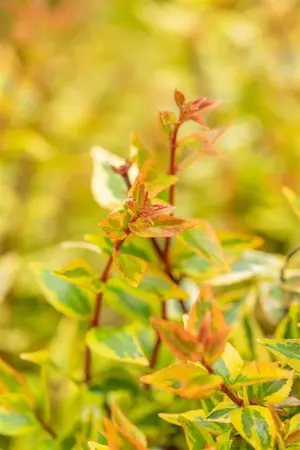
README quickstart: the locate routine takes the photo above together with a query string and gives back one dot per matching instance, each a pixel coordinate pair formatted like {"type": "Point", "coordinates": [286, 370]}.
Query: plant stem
{"type": "Point", "coordinates": [287, 260]}
{"type": "Point", "coordinates": [155, 350]}
{"type": "Point", "coordinates": [168, 272]}
{"type": "Point", "coordinates": [172, 171]}
{"type": "Point", "coordinates": [127, 181]}
{"type": "Point", "coordinates": [97, 314]}
{"type": "Point", "coordinates": [46, 426]}
{"type": "Point", "coordinates": [226, 390]}
{"type": "Point", "coordinates": [164, 255]}
{"type": "Point", "coordinates": [234, 398]}
{"type": "Point", "coordinates": [157, 249]}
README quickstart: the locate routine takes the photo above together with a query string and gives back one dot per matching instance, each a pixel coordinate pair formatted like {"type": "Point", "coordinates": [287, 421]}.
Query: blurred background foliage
{"type": "Point", "coordinates": [75, 74]}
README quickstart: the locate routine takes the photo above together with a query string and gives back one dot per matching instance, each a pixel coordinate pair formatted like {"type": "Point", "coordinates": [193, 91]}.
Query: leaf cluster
{"type": "Point", "coordinates": [224, 368]}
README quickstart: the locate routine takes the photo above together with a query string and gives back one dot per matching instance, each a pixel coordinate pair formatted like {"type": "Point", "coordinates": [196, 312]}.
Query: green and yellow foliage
{"type": "Point", "coordinates": [209, 366]}
{"type": "Point", "coordinates": [146, 299]}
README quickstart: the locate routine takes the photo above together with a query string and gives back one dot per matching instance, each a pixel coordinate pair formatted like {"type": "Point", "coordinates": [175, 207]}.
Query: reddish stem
{"type": "Point", "coordinates": [234, 398]}
{"type": "Point", "coordinates": [172, 171]}
{"type": "Point", "coordinates": [238, 401]}
{"type": "Point", "coordinates": [161, 255]}
{"type": "Point", "coordinates": [155, 350]}
{"type": "Point", "coordinates": [46, 426]}
{"type": "Point", "coordinates": [164, 255]}
{"type": "Point", "coordinates": [157, 248]}
{"type": "Point", "coordinates": [97, 314]}
{"type": "Point", "coordinates": [127, 181]}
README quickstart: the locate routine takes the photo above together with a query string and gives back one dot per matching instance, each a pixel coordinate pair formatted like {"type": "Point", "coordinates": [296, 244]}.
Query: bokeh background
{"type": "Point", "coordinates": [74, 74]}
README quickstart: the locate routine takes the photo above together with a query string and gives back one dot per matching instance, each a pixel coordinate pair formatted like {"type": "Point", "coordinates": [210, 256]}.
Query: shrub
{"type": "Point", "coordinates": [222, 366]}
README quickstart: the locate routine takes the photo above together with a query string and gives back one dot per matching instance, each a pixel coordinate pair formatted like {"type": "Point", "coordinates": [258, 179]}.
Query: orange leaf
{"type": "Point", "coordinates": [216, 345]}
{"type": "Point", "coordinates": [186, 380]}
{"type": "Point", "coordinates": [114, 225]}
{"type": "Point", "coordinates": [122, 421]}
{"type": "Point", "coordinates": [118, 438]}
{"type": "Point", "coordinates": [180, 342]}
{"type": "Point", "coordinates": [160, 226]}
{"type": "Point", "coordinates": [202, 305]}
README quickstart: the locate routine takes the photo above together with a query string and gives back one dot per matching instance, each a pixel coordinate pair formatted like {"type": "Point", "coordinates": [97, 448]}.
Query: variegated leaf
{"type": "Point", "coordinates": [120, 344]}
{"type": "Point", "coordinates": [256, 425]}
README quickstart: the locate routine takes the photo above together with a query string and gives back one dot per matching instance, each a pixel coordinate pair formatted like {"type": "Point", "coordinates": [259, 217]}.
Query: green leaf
{"type": "Point", "coordinates": [180, 342]}
{"type": "Point", "coordinates": [168, 121]}
{"type": "Point", "coordinates": [11, 380]}
{"type": "Point", "coordinates": [229, 365]}
{"type": "Point", "coordinates": [208, 404]}
{"type": "Point", "coordinates": [198, 417]}
{"type": "Point", "coordinates": [160, 226]}
{"type": "Point", "coordinates": [40, 357]}
{"type": "Point", "coordinates": [127, 299]}
{"type": "Point", "coordinates": [192, 265]}
{"type": "Point", "coordinates": [256, 425]}
{"type": "Point", "coordinates": [293, 199]}
{"type": "Point", "coordinates": [108, 188]}
{"type": "Point", "coordinates": [115, 225]}
{"type": "Point", "coordinates": [236, 242]}
{"type": "Point", "coordinates": [16, 417]}
{"type": "Point", "coordinates": [101, 241]}
{"type": "Point", "coordinates": [138, 246]}
{"type": "Point", "coordinates": [256, 372]}
{"type": "Point", "coordinates": [286, 350]}
{"type": "Point", "coordinates": [95, 446]}
{"type": "Point", "coordinates": [221, 412]}
{"type": "Point", "coordinates": [196, 438]}
{"type": "Point", "coordinates": [9, 266]}
{"type": "Point", "coordinates": [81, 245]}
{"type": "Point", "coordinates": [203, 240]}
{"type": "Point", "coordinates": [155, 180]}
{"type": "Point", "coordinates": [80, 273]}
{"type": "Point", "coordinates": [288, 328]}
{"type": "Point", "coordinates": [130, 267]}
{"type": "Point", "coordinates": [246, 330]}
{"type": "Point", "coordinates": [138, 152]}
{"type": "Point", "coordinates": [266, 382]}
{"type": "Point", "coordinates": [186, 380]}
{"type": "Point", "coordinates": [66, 298]}
{"type": "Point", "coordinates": [115, 377]}
{"type": "Point", "coordinates": [117, 344]}
{"type": "Point", "coordinates": [156, 285]}
{"type": "Point", "coordinates": [273, 392]}
{"type": "Point", "coordinates": [223, 441]}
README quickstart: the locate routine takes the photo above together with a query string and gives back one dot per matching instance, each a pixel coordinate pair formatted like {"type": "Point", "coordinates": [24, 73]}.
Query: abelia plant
{"type": "Point", "coordinates": [223, 368]}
